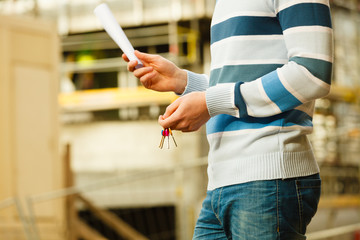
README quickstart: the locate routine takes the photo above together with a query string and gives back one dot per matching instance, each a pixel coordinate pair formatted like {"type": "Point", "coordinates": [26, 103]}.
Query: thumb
{"type": "Point", "coordinates": [149, 58]}
{"type": "Point", "coordinates": [168, 118]}
{"type": "Point", "coordinates": [171, 108]}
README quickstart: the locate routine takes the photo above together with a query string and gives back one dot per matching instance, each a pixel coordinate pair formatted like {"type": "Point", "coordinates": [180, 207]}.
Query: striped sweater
{"type": "Point", "coordinates": [270, 60]}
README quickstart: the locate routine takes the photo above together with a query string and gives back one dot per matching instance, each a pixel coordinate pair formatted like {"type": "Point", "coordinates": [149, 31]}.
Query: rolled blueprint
{"type": "Point", "coordinates": [114, 30]}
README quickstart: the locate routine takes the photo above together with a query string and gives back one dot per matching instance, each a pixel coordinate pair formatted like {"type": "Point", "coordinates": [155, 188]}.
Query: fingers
{"type": "Point", "coordinates": [125, 57]}
{"type": "Point", "coordinates": [167, 122]}
{"type": "Point", "coordinates": [170, 118]}
{"type": "Point", "coordinates": [176, 122]}
{"type": "Point", "coordinates": [157, 73]}
{"type": "Point", "coordinates": [141, 72]}
{"type": "Point", "coordinates": [187, 113]}
{"type": "Point", "coordinates": [131, 65]}
{"type": "Point", "coordinates": [145, 75]}
{"type": "Point", "coordinates": [172, 108]}
{"type": "Point", "coordinates": [147, 59]}
{"type": "Point", "coordinates": [175, 118]}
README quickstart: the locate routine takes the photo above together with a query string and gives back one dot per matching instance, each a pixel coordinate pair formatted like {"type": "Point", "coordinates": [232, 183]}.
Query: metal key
{"type": "Point", "coordinates": [162, 139]}
{"type": "Point", "coordinates": [172, 137]}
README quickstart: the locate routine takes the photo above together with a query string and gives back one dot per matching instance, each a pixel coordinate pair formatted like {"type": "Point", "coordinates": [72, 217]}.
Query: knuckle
{"type": "Point", "coordinates": [183, 125]}
{"type": "Point", "coordinates": [136, 74]}
{"type": "Point", "coordinates": [145, 83]}
{"type": "Point", "coordinates": [157, 58]}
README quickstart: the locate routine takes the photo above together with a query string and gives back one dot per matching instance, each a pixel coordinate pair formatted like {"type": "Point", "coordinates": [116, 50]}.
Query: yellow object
{"type": "Point", "coordinates": [112, 98]}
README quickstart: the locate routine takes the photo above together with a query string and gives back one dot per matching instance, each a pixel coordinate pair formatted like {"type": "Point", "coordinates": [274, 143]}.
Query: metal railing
{"type": "Point", "coordinates": [34, 200]}
{"type": "Point", "coordinates": [26, 230]}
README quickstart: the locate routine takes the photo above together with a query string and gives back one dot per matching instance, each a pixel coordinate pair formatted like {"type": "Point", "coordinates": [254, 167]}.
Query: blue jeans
{"type": "Point", "coordinates": [261, 210]}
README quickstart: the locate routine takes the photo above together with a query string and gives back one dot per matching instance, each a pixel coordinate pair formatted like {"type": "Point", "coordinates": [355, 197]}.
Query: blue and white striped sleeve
{"type": "Point", "coordinates": [195, 83]}
{"type": "Point", "coordinates": [307, 34]}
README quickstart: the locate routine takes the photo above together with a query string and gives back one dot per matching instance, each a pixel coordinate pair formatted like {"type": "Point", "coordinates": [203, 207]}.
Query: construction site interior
{"type": "Point", "coordinates": [79, 136]}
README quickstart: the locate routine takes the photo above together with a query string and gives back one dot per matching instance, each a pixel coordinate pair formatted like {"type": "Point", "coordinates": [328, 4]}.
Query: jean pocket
{"type": "Point", "coordinates": [308, 192]}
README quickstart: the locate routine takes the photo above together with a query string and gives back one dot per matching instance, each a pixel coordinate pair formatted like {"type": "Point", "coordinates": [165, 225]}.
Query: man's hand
{"type": "Point", "coordinates": [158, 73]}
{"type": "Point", "coordinates": [187, 113]}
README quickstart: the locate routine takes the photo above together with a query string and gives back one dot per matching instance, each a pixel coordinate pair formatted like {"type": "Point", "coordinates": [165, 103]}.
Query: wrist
{"type": "Point", "coordinates": [180, 81]}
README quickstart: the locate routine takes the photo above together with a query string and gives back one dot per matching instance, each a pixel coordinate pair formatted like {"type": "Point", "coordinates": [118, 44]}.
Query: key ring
{"type": "Point", "coordinates": [166, 133]}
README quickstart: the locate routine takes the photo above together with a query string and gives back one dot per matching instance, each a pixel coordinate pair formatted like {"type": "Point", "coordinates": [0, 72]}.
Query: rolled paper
{"type": "Point", "coordinates": [112, 27]}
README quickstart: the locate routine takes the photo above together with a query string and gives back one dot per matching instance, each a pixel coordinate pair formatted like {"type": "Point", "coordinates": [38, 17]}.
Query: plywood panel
{"type": "Point", "coordinates": [29, 47]}
{"type": "Point", "coordinates": [6, 183]}
{"type": "Point", "coordinates": [29, 154]}
{"type": "Point", "coordinates": [33, 134]}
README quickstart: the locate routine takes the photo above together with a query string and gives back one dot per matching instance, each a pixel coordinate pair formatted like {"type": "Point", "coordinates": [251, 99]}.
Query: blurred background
{"type": "Point", "coordinates": [79, 155]}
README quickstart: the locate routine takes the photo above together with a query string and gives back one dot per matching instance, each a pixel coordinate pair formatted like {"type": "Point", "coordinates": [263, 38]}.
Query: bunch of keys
{"type": "Point", "coordinates": [165, 133]}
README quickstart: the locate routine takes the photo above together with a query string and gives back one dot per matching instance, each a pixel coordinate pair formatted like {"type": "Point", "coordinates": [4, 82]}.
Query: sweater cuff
{"type": "Point", "coordinates": [195, 83]}
{"type": "Point", "coordinates": [239, 101]}
{"type": "Point", "coordinates": [220, 100]}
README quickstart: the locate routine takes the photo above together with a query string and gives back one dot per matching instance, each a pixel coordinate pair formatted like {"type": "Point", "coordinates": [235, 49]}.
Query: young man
{"type": "Point", "coordinates": [270, 60]}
